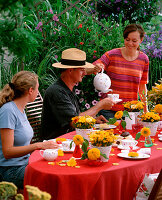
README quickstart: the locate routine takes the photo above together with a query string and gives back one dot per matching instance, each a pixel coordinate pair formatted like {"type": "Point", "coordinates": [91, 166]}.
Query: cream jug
{"type": "Point", "coordinates": [49, 154]}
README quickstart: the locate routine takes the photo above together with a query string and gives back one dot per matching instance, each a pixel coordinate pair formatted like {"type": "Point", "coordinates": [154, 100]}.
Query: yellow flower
{"type": "Point", "coordinates": [72, 162]}
{"type": "Point", "coordinates": [119, 114]}
{"type": "Point", "coordinates": [158, 108]}
{"type": "Point", "coordinates": [78, 139]}
{"type": "Point", "coordinates": [133, 154]}
{"type": "Point", "coordinates": [60, 139]}
{"type": "Point", "coordinates": [133, 106]}
{"type": "Point", "coordinates": [102, 138]}
{"type": "Point", "coordinates": [150, 117]}
{"type": "Point", "coordinates": [145, 131]}
{"type": "Point", "coordinates": [116, 123]}
{"type": "Point", "coordinates": [93, 154]}
{"type": "Point", "coordinates": [60, 152]}
{"type": "Point", "coordinates": [83, 122]}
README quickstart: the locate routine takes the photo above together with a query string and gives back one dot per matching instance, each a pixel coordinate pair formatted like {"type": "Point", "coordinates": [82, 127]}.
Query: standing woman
{"type": "Point", "coordinates": [127, 68]}
{"type": "Point", "coordinates": [15, 130]}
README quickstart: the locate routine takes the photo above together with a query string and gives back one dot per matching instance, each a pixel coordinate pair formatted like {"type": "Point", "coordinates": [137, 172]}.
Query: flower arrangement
{"type": "Point", "coordinates": [145, 132]}
{"type": "Point", "coordinates": [119, 115]}
{"type": "Point", "coordinates": [102, 138]}
{"type": "Point", "coordinates": [150, 117]}
{"type": "Point", "coordinates": [133, 106]}
{"type": "Point", "coordinates": [90, 154]}
{"type": "Point", "coordinates": [154, 96]}
{"type": "Point", "coordinates": [158, 108]}
{"type": "Point", "coordinates": [83, 122]}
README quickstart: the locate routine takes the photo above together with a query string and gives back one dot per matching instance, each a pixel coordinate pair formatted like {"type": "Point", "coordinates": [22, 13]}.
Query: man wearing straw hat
{"type": "Point", "coordinates": [60, 103]}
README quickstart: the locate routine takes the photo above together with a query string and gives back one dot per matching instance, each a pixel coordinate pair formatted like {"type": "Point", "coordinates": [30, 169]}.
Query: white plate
{"type": "Point", "coordinates": [109, 126]}
{"type": "Point", "coordinates": [141, 156]}
{"type": "Point", "coordinates": [117, 100]}
{"type": "Point", "coordinates": [159, 135]}
{"type": "Point", "coordinates": [125, 148]}
{"type": "Point", "coordinates": [160, 138]}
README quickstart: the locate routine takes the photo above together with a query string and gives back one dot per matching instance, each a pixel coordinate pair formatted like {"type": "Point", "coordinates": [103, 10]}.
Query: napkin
{"type": "Point", "coordinates": [142, 150]}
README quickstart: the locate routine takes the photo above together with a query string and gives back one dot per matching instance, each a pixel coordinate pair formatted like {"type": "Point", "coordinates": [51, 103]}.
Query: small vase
{"type": "Point", "coordinates": [152, 126]}
{"type": "Point", "coordinates": [84, 132]}
{"type": "Point", "coordinates": [148, 142]}
{"type": "Point", "coordinates": [131, 121]}
{"type": "Point", "coordinates": [77, 152]}
{"type": "Point", "coordinates": [104, 150]}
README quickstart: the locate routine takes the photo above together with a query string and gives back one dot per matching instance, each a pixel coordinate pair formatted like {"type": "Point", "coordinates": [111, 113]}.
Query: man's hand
{"type": "Point", "coordinates": [106, 103]}
{"type": "Point", "coordinates": [101, 119]}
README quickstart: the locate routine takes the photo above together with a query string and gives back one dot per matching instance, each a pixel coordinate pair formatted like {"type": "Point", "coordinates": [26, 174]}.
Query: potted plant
{"type": "Point", "coordinates": [150, 120]}
{"type": "Point", "coordinates": [102, 140]}
{"type": "Point", "coordinates": [83, 125]}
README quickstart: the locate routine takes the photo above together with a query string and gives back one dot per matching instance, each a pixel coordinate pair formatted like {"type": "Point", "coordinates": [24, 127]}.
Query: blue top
{"type": "Point", "coordinates": [11, 117]}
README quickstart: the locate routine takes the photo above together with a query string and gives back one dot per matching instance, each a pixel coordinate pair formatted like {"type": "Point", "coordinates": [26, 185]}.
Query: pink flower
{"type": "Point", "coordinates": [81, 100]}
{"type": "Point", "coordinates": [77, 91]}
{"type": "Point", "coordinates": [94, 102]}
{"type": "Point", "coordinates": [39, 26]}
{"type": "Point", "coordinates": [50, 10]}
{"type": "Point", "coordinates": [87, 105]}
{"type": "Point", "coordinates": [99, 94]}
{"type": "Point", "coordinates": [76, 84]}
{"type": "Point", "coordinates": [56, 56]}
{"type": "Point", "coordinates": [81, 43]}
{"type": "Point", "coordinates": [55, 18]}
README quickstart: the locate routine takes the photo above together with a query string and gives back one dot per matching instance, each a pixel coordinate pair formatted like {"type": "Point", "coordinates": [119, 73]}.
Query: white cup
{"type": "Point", "coordinates": [127, 143]}
{"type": "Point", "coordinates": [113, 96]}
{"type": "Point", "coordinates": [49, 154]}
{"type": "Point", "coordinates": [66, 145]}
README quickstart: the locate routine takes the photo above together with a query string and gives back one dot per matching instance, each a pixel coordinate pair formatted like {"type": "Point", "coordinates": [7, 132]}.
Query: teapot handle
{"type": "Point", "coordinates": [41, 152]}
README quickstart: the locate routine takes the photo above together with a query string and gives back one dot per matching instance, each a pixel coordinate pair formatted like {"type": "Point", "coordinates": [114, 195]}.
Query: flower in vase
{"type": "Point", "coordinates": [93, 154]}
{"type": "Point", "coordinates": [145, 131]}
{"type": "Point", "coordinates": [78, 139]}
{"type": "Point", "coordinates": [158, 108]}
{"type": "Point", "coordinates": [133, 106]}
{"type": "Point", "coordinates": [102, 138]}
{"type": "Point", "coordinates": [119, 115]}
{"type": "Point", "coordinates": [150, 117]}
{"type": "Point", "coordinates": [83, 122]}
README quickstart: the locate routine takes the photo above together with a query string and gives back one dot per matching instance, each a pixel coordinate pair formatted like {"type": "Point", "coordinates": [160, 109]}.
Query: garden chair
{"type": "Point", "coordinates": [33, 111]}
{"type": "Point", "coordinates": [156, 192]}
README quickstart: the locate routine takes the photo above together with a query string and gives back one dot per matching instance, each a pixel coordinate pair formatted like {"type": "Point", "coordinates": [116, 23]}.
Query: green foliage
{"type": "Point", "coordinates": [131, 10]}
{"type": "Point", "coordinates": [36, 39]}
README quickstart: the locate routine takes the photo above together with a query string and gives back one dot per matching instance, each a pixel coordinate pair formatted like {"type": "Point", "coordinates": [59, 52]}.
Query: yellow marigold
{"type": "Point", "coordinates": [93, 154]}
{"type": "Point", "coordinates": [116, 123]}
{"type": "Point", "coordinates": [71, 162]}
{"type": "Point", "coordinates": [78, 139]}
{"type": "Point", "coordinates": [60, 139]}
{"type": "Point", "coordinates": [133, 154]}
{"type": "Point", "coordinates": [119, 114]}
{"type": "Point", "coordinates": [60, 152]}
{"type": "Point", "coordinates": [145, 131]}
{"type": "Point", "coordinates": [158, 108]}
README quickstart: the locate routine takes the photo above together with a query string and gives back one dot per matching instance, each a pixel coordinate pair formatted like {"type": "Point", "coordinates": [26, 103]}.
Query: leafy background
{"type": "Point", "coordinates": [34, 34]}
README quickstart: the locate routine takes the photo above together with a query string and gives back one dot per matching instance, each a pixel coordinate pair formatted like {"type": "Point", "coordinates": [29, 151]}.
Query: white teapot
{"type": "Point", "coordinates": [102, 82]}
{"type": "Point", "coordinates": [49, 154]}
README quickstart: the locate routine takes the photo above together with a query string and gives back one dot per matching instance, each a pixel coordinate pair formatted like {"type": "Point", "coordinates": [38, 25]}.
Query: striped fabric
{"type": "Point", "coordinates": [126, 76]}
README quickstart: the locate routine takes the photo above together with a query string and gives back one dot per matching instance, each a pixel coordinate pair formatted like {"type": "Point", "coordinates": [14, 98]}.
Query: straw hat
{"type": "Point", "coordinates": [73, 58]}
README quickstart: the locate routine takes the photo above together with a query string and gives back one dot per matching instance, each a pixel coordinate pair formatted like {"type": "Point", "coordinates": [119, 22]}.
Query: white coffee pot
{"type": "Point", "coordinates": [102, 82]}
{"type": "Point", "coordinates": [49, 154]}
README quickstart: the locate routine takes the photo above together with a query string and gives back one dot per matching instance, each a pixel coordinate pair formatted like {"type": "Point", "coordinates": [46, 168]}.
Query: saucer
{"type": "Point", "coordinates": [160, 138]}
{"type": "Point", "coordinates": [125, 148]}
{"type": "Point", "coordinates": [140, 156]}
{"type": "Point", "coordinates": [117, 100]}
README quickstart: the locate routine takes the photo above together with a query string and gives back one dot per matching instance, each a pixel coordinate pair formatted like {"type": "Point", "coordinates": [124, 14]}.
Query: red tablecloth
{"type": "Point", "coordinates": [104, 182]}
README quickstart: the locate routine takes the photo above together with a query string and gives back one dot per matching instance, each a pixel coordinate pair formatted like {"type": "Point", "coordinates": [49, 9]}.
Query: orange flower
{"type": "Point", "coordinates": [71, 162]}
